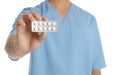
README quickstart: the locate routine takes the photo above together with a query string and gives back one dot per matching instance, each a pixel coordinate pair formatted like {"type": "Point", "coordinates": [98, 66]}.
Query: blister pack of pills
{"type": "Point", "coordinates": [44, 26]}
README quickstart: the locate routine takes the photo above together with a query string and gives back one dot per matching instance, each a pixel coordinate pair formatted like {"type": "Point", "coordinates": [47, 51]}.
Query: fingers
{"type": "Point", "coordinates": [36, 16]}
{"type": "Point", "coordinates": [44, 19]}
{"type": "Point", "coordinates": [20, 25]}
{"type": "Point", "coordinates": [28, 18]}
{"type": "Point", "coordinates": [20, 22]}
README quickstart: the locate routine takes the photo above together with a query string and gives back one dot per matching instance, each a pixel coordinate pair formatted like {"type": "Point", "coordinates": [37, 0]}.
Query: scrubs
{"type": "Point", "coordinates": [75, 49]}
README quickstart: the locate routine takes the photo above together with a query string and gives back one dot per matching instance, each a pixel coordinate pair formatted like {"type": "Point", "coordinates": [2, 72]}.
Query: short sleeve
{"type": "Point", "coordinates": [24, 11]}
{"type": "Point", "coordinates": [98, 60]}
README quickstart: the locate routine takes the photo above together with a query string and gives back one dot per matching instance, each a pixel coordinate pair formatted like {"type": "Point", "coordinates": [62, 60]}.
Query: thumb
{"type": "Point", "coordinates": [20, 26]}
{"type": "Point", "coordinates": [42, 37]}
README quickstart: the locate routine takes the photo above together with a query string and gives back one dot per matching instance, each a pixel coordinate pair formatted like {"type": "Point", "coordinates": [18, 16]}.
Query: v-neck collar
{"type": "Point", "coordinates": [59, 16]}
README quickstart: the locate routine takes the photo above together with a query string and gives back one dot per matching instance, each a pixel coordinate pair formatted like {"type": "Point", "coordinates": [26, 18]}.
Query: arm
{"type": "Point", "coordinates": [96, 72]}
{"type": "Point", "coordinates": [11, 47]}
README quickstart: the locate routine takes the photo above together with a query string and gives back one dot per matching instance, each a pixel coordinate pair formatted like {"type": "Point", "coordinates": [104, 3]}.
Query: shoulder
{"type": "Point", "coordinates": [84, 17]}
{"type": "Point", "coordinates": [83, 13]}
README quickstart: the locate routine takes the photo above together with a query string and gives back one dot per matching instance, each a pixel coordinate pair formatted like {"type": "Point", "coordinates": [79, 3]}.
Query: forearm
{"type": "Point", "coordinates": [11, 47]}
{"type": "Point", "coordinates": [96, 72]}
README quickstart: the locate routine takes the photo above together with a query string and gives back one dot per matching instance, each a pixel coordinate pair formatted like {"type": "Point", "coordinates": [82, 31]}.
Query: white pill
{"type": "Point", "coordinates": [40, 29]}
{"type": "Point", "coordinates": [45, 28]}
{"type": "Point", "coordinates": [35, 23]}
{"type": "Point", "coordinates": [35, 29]}
{"type": "Point", "coordinates": [49, 28]}
{"type": "Point", "coordinates": [44, 23]}
{"type": "Point", "coordinates": [54, 23]}
{"type": "Point", "coordinates": [49, 23]}
{"type": "Point", "coordinates": [40, 23]}
{"type": "Point", "coordinates": [54, 28]}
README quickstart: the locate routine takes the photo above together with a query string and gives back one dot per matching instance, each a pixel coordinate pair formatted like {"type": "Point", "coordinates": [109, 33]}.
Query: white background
{"type": "Point", "coordinates": [107, 13]}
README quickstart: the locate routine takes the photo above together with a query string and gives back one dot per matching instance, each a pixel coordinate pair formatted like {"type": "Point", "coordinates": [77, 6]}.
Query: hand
{"type": "Point", "coordinates": [26, 40]}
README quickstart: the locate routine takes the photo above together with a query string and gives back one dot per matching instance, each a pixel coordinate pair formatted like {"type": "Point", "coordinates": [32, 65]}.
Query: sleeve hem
{"type": "Point", "coordinates": [99, 67]}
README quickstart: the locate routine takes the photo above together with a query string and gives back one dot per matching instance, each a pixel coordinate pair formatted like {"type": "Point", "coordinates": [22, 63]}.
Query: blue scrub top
{"type": "Point", "coordinates": [75, 49]}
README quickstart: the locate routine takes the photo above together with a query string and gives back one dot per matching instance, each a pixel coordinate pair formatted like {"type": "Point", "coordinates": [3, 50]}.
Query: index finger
{"type": "Point", "coordinates": [36, 16]}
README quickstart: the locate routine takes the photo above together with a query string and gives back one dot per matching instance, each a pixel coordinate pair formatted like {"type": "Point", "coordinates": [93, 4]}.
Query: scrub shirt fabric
{"type": "Point", "coordinates": [75, 49]}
